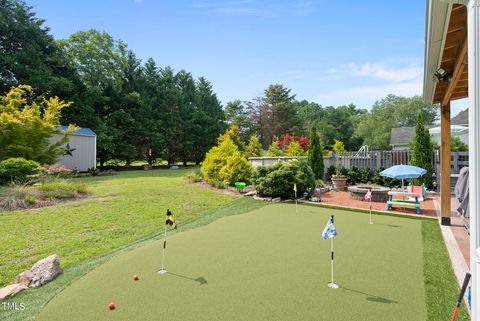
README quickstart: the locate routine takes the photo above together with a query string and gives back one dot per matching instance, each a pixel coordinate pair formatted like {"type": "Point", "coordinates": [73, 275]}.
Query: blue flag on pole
{"type": "Point", "coordinates": [329, 230]}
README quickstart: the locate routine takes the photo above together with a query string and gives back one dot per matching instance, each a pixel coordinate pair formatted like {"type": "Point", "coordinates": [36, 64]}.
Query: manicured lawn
{"type": "Point", "coordinates": [122, 209]}
{"type": "Point", "coordinates": [271, 264]}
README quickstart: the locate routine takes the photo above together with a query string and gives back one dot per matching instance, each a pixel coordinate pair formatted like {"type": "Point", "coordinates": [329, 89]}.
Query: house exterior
{"type": "Point", "coordinates": [401, 137]}
{"type": "Point", "coordinates": [80, 151]}
{"type": "Point", "coordinates": [452, 71]}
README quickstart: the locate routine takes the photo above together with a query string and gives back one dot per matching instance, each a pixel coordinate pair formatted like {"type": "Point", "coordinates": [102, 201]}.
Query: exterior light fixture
{"type": "Point", "coordinates": [441, 74]}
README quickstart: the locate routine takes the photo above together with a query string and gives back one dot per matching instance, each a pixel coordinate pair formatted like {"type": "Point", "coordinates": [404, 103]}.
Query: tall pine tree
{"type": "Point", "coordinates": [315, 154]}
{"type": "Point", "coordinates": [422, 148]}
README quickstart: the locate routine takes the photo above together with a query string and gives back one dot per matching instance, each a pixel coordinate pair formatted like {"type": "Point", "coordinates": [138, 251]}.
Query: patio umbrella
{"type": "Point", "coordinates": [403, 171]}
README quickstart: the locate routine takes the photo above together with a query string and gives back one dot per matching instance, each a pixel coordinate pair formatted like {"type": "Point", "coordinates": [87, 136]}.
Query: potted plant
{"type": "Point", "coordinates": [339, 181]}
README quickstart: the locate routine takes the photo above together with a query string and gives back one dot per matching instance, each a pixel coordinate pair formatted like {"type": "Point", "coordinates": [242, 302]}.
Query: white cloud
{"type": "Point", "coordinates": [395, 70]}
{"type": "Point", "coordinates": [366, 95]}
{"type": "Point", "coordinates": [263, 8]}
{"type": "Point", "coordinates": [238, 10]}
{"type": "Point", "coordinates": [403, 77]}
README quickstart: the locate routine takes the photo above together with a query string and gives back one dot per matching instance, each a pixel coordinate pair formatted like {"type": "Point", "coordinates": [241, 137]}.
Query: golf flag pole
{"type": "Point", "coordinates": [163, 270]}
{"type": "Point", "coordinates": [332, 284]}
{"type": "Point", "coordinates": [170, 220]}
{"type": "Point", "coordinates": [368, 196]}
{"type": "Point", "coordinates": [329, 233]}
{"type": "Point", "coordinates": [296, 201]}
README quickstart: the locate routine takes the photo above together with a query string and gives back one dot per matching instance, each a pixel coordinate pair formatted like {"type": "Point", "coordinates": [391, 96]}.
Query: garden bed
{"type": "Point", "coordinates": [18, 197]}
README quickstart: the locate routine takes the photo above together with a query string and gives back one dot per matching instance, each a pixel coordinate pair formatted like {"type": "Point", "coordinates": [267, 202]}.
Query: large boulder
{"type": "Point", "coordinates": [11, 290]}
{"type": "Point", "coordinates": [42, 272]}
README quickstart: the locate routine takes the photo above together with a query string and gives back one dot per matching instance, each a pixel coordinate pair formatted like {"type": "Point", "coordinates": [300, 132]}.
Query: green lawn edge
{"type": "Point", "coordinates": [35, 299]}
{"type": "Point", "coordinates": [364, 211]}
{"type": "Point", "coordinates": [441, 287]}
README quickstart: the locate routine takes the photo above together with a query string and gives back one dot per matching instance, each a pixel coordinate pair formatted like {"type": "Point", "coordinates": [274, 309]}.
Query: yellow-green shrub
{"type": "Point", "coordinates": [225, 163]}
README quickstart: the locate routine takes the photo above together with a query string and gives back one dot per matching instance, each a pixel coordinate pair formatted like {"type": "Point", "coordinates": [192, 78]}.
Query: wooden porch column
{"type": "Point", "coordinates": [445, 160]}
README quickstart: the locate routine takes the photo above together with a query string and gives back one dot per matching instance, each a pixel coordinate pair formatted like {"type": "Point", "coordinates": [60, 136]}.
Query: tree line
{"type": "Point", "coordinates": [277, 113]}
{"type": "Point", "coordinates": [141, 111]}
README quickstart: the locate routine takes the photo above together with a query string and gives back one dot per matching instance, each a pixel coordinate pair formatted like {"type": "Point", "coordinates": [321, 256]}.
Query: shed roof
{"type": "Point", "coordinates": [81, 131]}
{"type": "Point", "coordinates": [402, 135]}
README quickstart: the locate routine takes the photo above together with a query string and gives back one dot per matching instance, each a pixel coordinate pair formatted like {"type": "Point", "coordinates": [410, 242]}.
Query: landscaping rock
{"type": "Point", "coordinates": [24, 278]}
{"type": "Point", "coordinates": [11, 290]}
{"type": "Point", "coordinates": [265, 199]}
{"type": "Point", "coordinates": [174, 167]}
{"type": "Point", "coordinates": [251, 193]}
{"type": "Point", "coordinates": [42, 272]}
{"type": "Point", "coordinates": [276, 200]}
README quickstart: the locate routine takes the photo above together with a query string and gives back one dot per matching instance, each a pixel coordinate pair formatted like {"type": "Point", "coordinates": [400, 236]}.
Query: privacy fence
{"type": "Point", "coordinates": [375, 160]}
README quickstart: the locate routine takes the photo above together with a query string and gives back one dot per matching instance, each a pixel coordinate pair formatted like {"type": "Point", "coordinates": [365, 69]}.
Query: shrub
{"type": "Point", "coordinates": [365, 174]}
{"type": "Point", "coordinates": [274, 150]}
{"type": "Point", "coordinates": [377, 179]}
{"type": "Point", "coordinates": [17, 197]}
{"type": "Point", "coordinates": [287, 139]}
{"type": "Point", "coordinates": [319, 183]}
{"type": "Point", "coordinates": [59, 170]}
{"type": "Point", "coordinates": [295, 149]}
{"type": "Point", "coordinates": [254, 147]}
{"type": "Point", "coordinates": [17, 170]}
{"type": "Point", "coordinates": [225, 163]}
{"type": "Point", "coordinates": [278, 180]}
{"type": "Point", "coordinates": [93, 171]}
{"type": "Point", "coordinates": [344, 171]}
{"type": "Point", "coordinates": [237, 169]}
{"type": "Point", "coordinates": [331, 170]}
{"type": "Point", "coordinates": [353, 175]}
{"type": "Point", "coordinates": [195, 176]}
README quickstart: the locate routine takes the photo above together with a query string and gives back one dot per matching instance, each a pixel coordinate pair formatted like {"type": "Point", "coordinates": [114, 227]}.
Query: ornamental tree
{"type": "Point", "coordinates": [422, 148]}
{"type": "Point", "coordinates": [294, 149]}
{"type": "Point", "coordinates": [26, 126]}
{"type": "Point", "coordinates": [315, 154]}
{"type": "Point", "coordinates": [254, 147]}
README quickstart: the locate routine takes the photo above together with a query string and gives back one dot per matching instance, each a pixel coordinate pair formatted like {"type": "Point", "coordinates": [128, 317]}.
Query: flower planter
{"type": "Point", "coordinates": [339, 184]}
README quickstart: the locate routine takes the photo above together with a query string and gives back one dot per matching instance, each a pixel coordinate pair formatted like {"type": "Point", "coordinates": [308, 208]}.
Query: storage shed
{"type": "Point", "coordinates": [80, 151]}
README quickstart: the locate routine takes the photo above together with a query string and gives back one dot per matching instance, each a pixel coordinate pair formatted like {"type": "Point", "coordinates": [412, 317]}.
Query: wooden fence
{"type": "Point", "coordinates": [377, 159]}
{"type": "Point", "coordinates": [371, 159]}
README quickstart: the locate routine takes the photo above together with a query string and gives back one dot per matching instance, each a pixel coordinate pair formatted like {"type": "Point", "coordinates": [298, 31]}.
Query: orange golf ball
{"type": "Point", "coordinates": [135, 277]}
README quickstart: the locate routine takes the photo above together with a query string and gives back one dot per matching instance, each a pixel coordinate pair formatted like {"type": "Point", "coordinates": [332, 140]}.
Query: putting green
{"type": "Point", "coordinates": [270, 264]}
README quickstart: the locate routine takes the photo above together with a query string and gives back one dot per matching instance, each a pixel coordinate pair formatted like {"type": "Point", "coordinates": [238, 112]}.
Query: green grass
{"type": "Point", "coordinates": [105, 229]}
{"type": "Point", "coordinates": [35, 299]}
{"type": "Point", "coordinates": [121, 210]}
{"type": "Point", "coordinates": [271, 264]}
{"type": "Point", "coordinates": [440, 283]}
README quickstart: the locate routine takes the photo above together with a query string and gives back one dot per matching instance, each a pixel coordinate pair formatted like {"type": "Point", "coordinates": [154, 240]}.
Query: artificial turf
{"type": "Point", "coordinates": [269, 264]}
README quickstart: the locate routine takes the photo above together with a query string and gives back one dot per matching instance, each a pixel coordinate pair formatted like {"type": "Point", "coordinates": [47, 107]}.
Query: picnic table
{"type": "Point", "coordinates": [403, 202]}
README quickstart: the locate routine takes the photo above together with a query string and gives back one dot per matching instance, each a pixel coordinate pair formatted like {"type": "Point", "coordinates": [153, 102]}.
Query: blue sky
{"type": "Point", "coordinates": [330, 52]}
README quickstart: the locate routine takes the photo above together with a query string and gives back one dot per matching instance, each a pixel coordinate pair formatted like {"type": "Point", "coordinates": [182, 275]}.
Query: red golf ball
{"type": "Point", "coordinates": [135, 277]}
{"type": "Point", "coordinates": [111, 306]}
